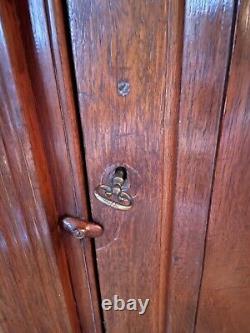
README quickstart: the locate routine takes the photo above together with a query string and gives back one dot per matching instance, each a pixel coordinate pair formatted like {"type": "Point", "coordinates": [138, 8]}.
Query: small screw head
{"type": "Point", "coordinates": [123, 88]}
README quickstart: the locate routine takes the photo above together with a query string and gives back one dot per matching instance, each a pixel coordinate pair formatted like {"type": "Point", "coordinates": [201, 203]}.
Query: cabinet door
{"type": "Point", "coordinates": [150, 79]}
{"type": "Point", "coordinates": [47, 277]}
{"type": "Point", "coordinates": [225, 290]}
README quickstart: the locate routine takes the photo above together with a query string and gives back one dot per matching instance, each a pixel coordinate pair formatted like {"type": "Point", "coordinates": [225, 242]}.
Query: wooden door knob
{"type": "Point", "coordinates": [81, 228]}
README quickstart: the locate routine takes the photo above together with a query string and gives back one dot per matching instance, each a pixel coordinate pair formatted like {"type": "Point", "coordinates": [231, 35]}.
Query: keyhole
{"type": "Point", "coordinates": [121, 172]}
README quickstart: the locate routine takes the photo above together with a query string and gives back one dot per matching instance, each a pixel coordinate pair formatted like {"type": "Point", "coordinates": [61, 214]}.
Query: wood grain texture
{"type": "Point", "coordinates": [206, 40]}
{"type": "Point", "coordinates": [225, 293]}
{"type": "Point", "coordinates": [34, 295]}
{"type": "Point", "coordinates": [44, 36]}
{"type": "Point", "coordinates": [129, 40]}
{"type": "Point", "coordinates": [175, 22]}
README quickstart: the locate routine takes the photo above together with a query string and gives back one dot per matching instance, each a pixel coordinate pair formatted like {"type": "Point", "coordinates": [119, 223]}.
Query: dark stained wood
{"type": "Point", "coordinates": [224, 302]}
{"type": "Point", "coordinates": [44, 35]}
{"type": "Point", "coordinates": [205, 52]}
{"type": "Point", "coordinates": [34, 295]}
{"type": "Point", "coordinates": [133, 41]}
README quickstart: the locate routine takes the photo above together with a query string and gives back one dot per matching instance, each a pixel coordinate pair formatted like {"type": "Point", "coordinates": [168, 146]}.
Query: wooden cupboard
{"type": "Point", "coordinates": [137, 103]}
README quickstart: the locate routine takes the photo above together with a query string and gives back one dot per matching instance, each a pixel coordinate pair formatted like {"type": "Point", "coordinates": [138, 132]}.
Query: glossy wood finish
{"type": "Point", "coordinates": [130, 40]}
{"type": "Point", "coordinates": [225, 293]}
{"type": "Point", "coordinates": [34, 295]}
{"type": "Point", "coordinates": [206, 46]}
{"type": "Point", "coordinates": [44, 35]}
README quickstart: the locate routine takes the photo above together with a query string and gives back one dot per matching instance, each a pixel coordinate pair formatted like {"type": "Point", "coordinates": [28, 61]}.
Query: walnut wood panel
{"type": "Point", "coordinates": [35, 297]}
{"type": "Point", "coordinates": [133, 41]}
{"type": "Point", "coordinates": [206, 42]}
{"type": "Point", "coordinates": [225, 292]}
{"type": "Point", "coordinates": [44, 36]}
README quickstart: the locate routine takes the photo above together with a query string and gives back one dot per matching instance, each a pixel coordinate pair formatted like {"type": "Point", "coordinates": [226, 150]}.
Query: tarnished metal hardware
{"type": "Point", "coordinates": [80, 228]}
{"type": "Point", "coordinates": [114, 195]}
{"type": "Point", "coordinates": [123, 88]}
